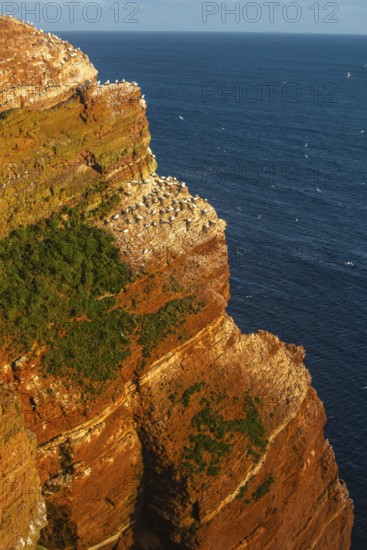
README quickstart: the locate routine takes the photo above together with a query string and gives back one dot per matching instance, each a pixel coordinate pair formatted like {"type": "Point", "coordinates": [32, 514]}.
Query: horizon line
{"type": "Point", "coordinates": [206, 32]}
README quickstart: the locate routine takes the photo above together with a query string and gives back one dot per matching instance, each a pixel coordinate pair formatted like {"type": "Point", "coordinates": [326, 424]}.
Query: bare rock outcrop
{"type": "Point", "coordinates": [37, 69]}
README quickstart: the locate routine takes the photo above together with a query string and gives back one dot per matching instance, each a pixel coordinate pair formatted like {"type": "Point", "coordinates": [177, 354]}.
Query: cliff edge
{"type": "Point", "coordinates": [158, 424]}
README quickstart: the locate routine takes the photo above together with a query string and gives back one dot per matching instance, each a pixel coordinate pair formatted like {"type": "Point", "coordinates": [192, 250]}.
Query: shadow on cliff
{"type": "Point", "coordinates": [148, 532]}
{"type": "Point", "coordinates": [60, 532]}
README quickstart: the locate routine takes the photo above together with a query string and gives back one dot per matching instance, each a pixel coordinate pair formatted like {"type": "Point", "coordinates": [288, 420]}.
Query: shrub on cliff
{"type": "Point", "coordinates": [58, 281]}
{"type": "Point", "coordinates": [52, 278]}
{"type": "Point", "coordinates": [156, 326]}
{"type": "Point", "coordinates": [212, 440]}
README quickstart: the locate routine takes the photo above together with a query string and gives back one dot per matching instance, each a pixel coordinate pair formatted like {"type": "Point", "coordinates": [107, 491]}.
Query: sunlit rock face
{"type": "Point", "coordinates": [23, 510]}
{"type": "Point", "coordinates": [49, 157]}
{"type": "Point", "coordinates": [37, 69]}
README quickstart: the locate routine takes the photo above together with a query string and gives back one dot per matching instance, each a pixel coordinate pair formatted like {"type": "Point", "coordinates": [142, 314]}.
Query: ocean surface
{"type": "Point", "coordinates": [273, 131]}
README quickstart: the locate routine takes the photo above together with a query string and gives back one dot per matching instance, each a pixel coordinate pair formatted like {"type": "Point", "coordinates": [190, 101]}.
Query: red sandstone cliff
{"type": "Point", "coordinates": [22, 508]}
{"type": "Point", "coordinates": [214, 439]}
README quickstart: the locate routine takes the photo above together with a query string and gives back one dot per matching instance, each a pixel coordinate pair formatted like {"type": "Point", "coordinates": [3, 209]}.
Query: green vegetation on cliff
{"type": "Point", "coordinates": [58, 281]}
{"type": "Point", "coordinates": [263, 488]}
{"type": "Point", "coordinates": [52, 278]}
{"type": "Point", "coordinates": [185, 399]}
{"type": "Point", "coordinates": [156, 326]}
{"type": "Point", "coordinates": [213, 436]}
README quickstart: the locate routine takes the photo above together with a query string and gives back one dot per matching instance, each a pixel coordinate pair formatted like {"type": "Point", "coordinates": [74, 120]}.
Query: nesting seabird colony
{"type": "Point", "coordinates": [156, 210]}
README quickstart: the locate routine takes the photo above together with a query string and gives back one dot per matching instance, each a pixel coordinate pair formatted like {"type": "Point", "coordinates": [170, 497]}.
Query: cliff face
{"type": "Point", "coordinates": [22, 508]}
{"type": "Point", "coordinates": [37, 69]}
{"type": "Point", "coordinates": [82, 150]}
{"type": "Point", "coordinates": [203, 437]}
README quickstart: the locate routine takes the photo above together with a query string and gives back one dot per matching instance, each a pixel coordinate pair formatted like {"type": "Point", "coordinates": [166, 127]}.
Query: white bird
{"type": "Point", "coordinates": [180, 117]}
{"type": "Point", "coordinates": [349, 74]}
{"type": "Point", "coordinates": [318, 189]}
{"type": "Point", "coordinates": [306, 145]}
{"type": "Point", "coordinates": [306, 157]}
{"type": "Point", "coordinates": [259, 216]}
{"type": "Point", "coordinates": [107, 82]}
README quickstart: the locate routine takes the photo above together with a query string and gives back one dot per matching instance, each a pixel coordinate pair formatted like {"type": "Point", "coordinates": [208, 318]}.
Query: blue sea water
{"type": "Point", "coordinates": [296, 214]}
